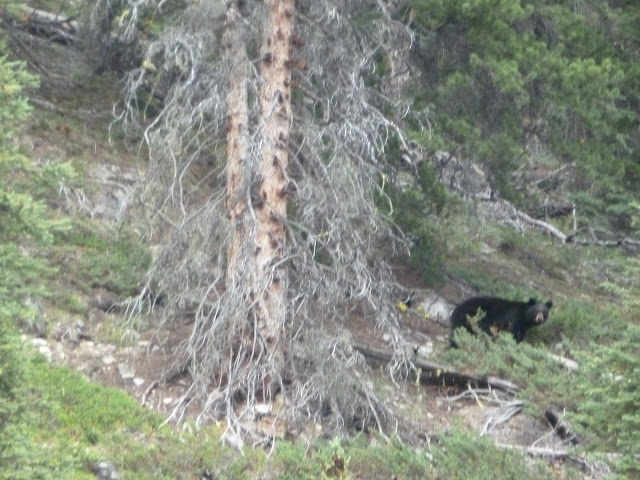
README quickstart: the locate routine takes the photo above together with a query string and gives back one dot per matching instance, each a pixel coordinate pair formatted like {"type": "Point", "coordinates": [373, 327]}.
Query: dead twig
{"type": "Point", "coordinates": [569, 364]}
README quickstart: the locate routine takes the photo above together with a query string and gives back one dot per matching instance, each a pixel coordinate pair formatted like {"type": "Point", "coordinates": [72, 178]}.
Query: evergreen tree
{"type": "Point", "coordinates": [507, 75]}
{"type": "Point", "coordinates": [25, 225]}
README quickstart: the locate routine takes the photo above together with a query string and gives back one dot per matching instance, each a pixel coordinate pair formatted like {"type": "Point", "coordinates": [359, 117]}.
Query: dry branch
{"type": "Point", "coordinates": [81, 114]}
{"type": "Point", "coordinates": [166, 378]}
{"type": "Point", "coordinates": [547, 227]}
{"type": "Point", "coordinates": [432, 373]}
{"type": "Point", "coordinates": [621, 242]}
{"type": "Point", "coordinates": [556, 173]}
{"type": "Point", "coordinates": [569, 364]}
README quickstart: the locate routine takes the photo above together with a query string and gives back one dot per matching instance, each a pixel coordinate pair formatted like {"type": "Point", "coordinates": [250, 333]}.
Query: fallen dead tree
{"type": "Point", "coordinates": [54, 27]}
{"type": "Point", "coordinates": [505, 212]}
{"type": "Point", "coordinates": [470, 181]}
{"type": "Point", "coordinates": [435, 374]}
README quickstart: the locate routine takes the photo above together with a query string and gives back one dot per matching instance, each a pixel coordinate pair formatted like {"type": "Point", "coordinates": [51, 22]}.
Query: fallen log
{"type": "Point", "coordinates": [561, 426]}
{"type": "Point", "coordinates": [54, 27]}
{"type": "Point", "coordinates": [435, 374]}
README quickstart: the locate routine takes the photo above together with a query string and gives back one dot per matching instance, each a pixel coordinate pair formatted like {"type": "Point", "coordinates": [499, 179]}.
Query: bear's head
{"type": "Point", "coordinates": [537, 313]}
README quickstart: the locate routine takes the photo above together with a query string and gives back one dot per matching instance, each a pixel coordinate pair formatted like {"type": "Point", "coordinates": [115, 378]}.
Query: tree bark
{"type": "Point", "coordinates": [271, 204]}
{"type": "Point", "coordinates": [257, 185]}
{"type": "Point", "coordinates": [237, 141]}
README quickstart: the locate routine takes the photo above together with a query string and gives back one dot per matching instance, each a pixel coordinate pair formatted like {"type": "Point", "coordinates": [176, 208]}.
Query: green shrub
{"type": "Point", "coordinates": [104, 259]}
{"type": "Point", "coordinates": [463, 455]}
{"type": "Point", "coordinates": [609, 413]}
{"type": "Point", "coordinates": [10, 377]}
{"type": "Point", "coordinates": [416, 209]}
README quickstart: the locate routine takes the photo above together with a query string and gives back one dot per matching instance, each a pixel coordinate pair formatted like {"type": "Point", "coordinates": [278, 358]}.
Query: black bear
{"type": "Point", "coordinates": [500, 315]}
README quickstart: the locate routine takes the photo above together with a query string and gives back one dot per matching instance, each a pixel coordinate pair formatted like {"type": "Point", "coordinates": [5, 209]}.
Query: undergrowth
{"type": "Point", "coordinates": [115, 261]}
{"type": "Point", "coordinates": [600, 397]}
{"type": "Point", "coordinates": [62, 426]}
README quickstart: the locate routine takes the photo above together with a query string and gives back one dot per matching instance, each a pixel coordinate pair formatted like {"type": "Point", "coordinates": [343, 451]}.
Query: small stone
{"type": "Point", "coordinates": [39, 342]}
{"type": "Point", "coordinates": [46, 351]}
{"type": "Point", "coordinates": [263, 409]}
{"type": "Point", "coordinates": [125, 371]}
{"type": "Point", "coordinates": [138, 381]}
{"type": "Point", "coordinates": [425, 351]}
{"type": "Point", "coordinates": [233, 440]}
{"type": "Point", "coordinates": [106, 471]}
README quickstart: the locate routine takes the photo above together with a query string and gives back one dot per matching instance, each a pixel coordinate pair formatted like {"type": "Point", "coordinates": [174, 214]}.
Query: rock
{"type": "Point", "coordinates": [262, 409]}
{"type": "Point", "coordinates": [215, 404]}
{"type": "Point", "coordinates": [39, 342]}
{"type": "Point", "coordinates": [74, 333]}
{"type": "Point", "coordinates": [436, 308]}
{"type": "Point", "coordinates": [80, 332]}
{"type": "Point", "coordinates": [126, 372]}
{"type": "Point", "coordinates": [233, 439]}
{"type": "Point", "coordinates": [43, 347]}
{"type": "Point", "coordinates": [86, 350]}
{"type": "Point", "coordinates": [424, 351]}
{"type": "Point", "coordinates": [106, 471]}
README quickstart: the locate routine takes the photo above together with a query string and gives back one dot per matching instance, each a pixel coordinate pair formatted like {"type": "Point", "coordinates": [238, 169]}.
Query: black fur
{"type": "Point", "coordinates": [500, 315]}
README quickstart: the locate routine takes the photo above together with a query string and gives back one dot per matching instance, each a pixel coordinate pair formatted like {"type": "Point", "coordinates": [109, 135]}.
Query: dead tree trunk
{"type": "Point", "coordinates": [237, 144]}
{"type": "Point", "coordinates": [256, 193]}
{"type": "Point", "coordinates": [271, 204]}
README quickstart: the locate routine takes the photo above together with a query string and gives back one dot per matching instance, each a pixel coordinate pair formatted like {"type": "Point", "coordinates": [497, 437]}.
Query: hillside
{"type": "Point", "coordinates": [470, 229]}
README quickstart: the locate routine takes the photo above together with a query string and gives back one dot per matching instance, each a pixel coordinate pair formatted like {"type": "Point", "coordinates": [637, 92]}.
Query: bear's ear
{"type": "Point", "coordinates": [531, 302]}
{"type": "Point", "coordinates": [549, 304]}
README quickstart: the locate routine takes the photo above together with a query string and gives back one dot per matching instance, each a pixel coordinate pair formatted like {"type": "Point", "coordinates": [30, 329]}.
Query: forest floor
{"type": "Point", "coordinates": [421, 412]}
